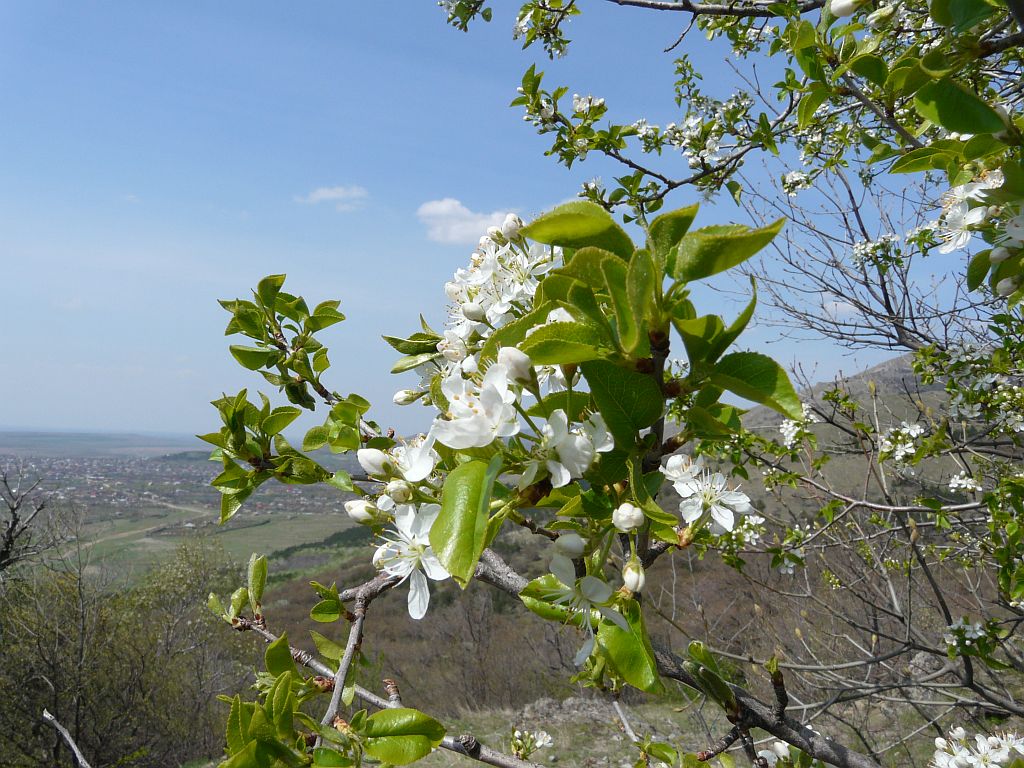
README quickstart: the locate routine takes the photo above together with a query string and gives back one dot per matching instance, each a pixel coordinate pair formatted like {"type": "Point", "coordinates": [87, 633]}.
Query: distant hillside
{"type": "Point", "coordinates": [92, 445]}
{"type": "Point", "coordinates": [893, 380]}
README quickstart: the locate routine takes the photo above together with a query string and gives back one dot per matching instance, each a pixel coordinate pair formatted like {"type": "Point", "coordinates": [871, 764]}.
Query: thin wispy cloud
{"type": "Point", "coordinates": [449, 221]}
{"type": "Point", "coordinates": [344, 198]}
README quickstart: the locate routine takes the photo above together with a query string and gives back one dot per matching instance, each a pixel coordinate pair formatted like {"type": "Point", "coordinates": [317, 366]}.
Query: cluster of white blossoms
{"type": "Point", "coordinates": [705, 494]}
{"type": "Point", "coordinates": [794, 429]}
{"type": "Point", "coordinates": [477, 404]}
{"type": "Point", "coordinates": [874, 253]}
{"type": "Point", "coordinates": [525, 743]}
{"type": "Point", "coordinates": [963, 634]}
{"type": "Point", "coordinates": [778, 751]}
{"type": "Point", "coordinates": [959, 216]}
{"type": "Point", "coordinates": [898, 443]}
{"type": "Point", "coordinates": [964, 482]}
{"type": "Point", "coordinates": [957, 751]}
{"type": "Point", "coordinates": [795, 181]}
{"type": "Point", "coordinates": [582, 105]}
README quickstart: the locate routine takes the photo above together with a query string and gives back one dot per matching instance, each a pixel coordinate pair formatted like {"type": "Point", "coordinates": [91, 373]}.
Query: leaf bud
{"type": "Point", "coordinates": [627, 517]}
{"type": "Point", "coordinates": [570, 544]}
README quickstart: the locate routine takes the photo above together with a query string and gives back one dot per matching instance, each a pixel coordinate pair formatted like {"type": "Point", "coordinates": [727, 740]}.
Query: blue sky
{"type": "Point", "coordinates": [160, 156]}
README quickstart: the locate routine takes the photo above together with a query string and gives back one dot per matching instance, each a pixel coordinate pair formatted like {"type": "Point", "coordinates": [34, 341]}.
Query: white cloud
{"type": "Point", "coordinates": [344, 198]}
{"type": "Point", "coordinates": [449, 221]}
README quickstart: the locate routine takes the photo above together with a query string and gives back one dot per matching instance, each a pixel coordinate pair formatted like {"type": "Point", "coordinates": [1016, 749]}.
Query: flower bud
{"type": "Point", "coordinates": [879, 16]}
{"type": "Point", "coordinates": [518, 364]}
{"type": "Point", "coordinates": [633, 577]}
{"type": "Point", "coordinates": [511, 226]}
{"type": "Point", "coordinates": [399, 490]}
{"type": "Point", "coordinates": [493, 233]}
{"type": "Point", "coordinates": [406, 396]}
{"type": "Point", "coordinates": [998, 255]}
{"type": "Point", "coordinates": [781, 750]}
{"type": "Point", "coordinates": [570, 544]}
{"type": "Point", "coordinates": [840, 8]}
{"type": "Point", "coordinates": [374, 461]}
{"type": "Point", "coordinates": [627, 517]}
{"type": "Point", "coordinates": [474, 311]}
{"type": "Point", "coordinates": [362, 511]}
{"type": "Point", "coordinates": [1007, 285]}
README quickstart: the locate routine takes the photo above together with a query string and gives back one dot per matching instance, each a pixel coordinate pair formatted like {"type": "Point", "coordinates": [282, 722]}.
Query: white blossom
{"type": "Point", "coordinates": [476, 416]}
{"type": "Point", "coordinates": [408, 554]}
{"type": "Point", "coordinates": [706, 495]}
{"type": "Point", "coordinates": [581, 596]}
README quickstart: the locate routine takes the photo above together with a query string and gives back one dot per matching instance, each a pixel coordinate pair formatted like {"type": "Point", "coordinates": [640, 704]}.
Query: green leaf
{"type": "Point", "coordinates": [949, 104]}
{"type": "Point", "coordinates": [628, 401]}
{"type": "Point", "coordinates": [630, 653]}
{"type": "Point", "coordinates": [668, 229]}
{"type": "Point", "coordinates": [642, 283]}
{"type": "Point", "coordinates": [326, 611]}
{"type": "Point", "coordinates": [416, 344]}
{"type": "Point", "coordinates": [459, 534]}
{"type": "Point", "coordinates": [564, 343]}
{"type": "Point", "coordinates": [238, 600]}
{"type": "Point", "coordinates": [268, 289]}
{"type": "Point", "coordinates": [252, 358]}
{"type": "Point", "coordinates": [711, 250]}
{"type": "Point", "coordinates": [977, 269]}
{"type": "Point", "coordinates": [326, 647]}
{"type": "Point", "coordinates": [409, 362]}
{"type": "Point", "coordinates": [278, 657]}
{"type": "Point", "coordinates": [315, 438]}
{"type": "Point", "coordinates": [324, 757]}
{"type": "Point", "coordinates": [585, 266]}
{"type": "Point", "coordinates": [579, 224]}
{"type": "Point", "coordinates": [758, 378]}
{"type": "Point", "coordinates": [237, 731]}
{"type": "Point", "coordinates": [401, 736]}
{"type": "Point", "coordinates": [870, 67]}
{"type": "Point", "coordinates": [809, 104]}
{"type": "Point", "coordinates": [573, 403]}
{"type": "Point", "coordinates": [279, 419]}
{"type": "Point", "coordinates": [962, 15]}
{"type": "Point", "coordinates": [921, 159]}
{"type": "Point", "coordinates": [257, 580]}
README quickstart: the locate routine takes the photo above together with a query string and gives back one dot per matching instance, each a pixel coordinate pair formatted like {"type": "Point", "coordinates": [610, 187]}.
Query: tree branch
{"type": "Point", "coordinates": [79, 757]}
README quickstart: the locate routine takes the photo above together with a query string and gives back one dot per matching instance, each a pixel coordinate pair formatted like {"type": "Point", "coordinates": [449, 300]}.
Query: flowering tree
{"type": "Point", "coordinates": [559, 408]}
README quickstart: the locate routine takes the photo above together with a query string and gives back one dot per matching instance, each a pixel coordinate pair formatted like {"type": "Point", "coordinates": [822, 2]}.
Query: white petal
{"type": "Point", "coordinates": [419, 595]}
{"type": "Point", "coordinates": [425, 520]}
{"type": "Point", "coordinates": [563, 569]}
{"type": "Point", "coordinates": [723, 516]}
{"type": "Point", "coordinates": [559, 474]}
{"type": "Point", "coordinates": [433, 566]}
{"type": "Point", "coordinates": [585, 651]}
{"type": "Point", "coordinates": [616, 618]}
{"type": "Point", "coordinates": [595, 590]}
